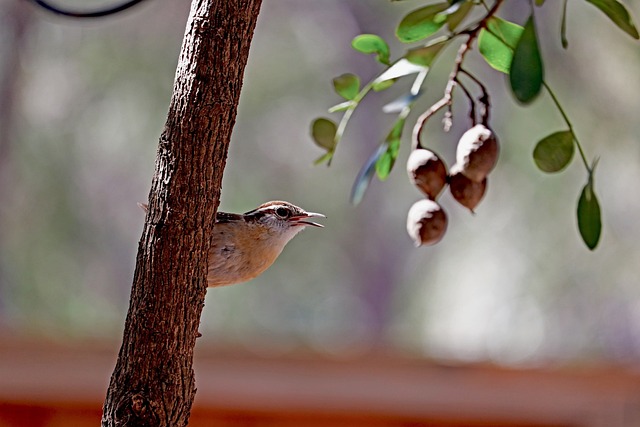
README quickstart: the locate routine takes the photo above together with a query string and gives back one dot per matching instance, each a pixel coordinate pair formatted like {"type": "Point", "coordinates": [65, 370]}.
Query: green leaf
{"type": "Point", "coordinates": [402, 67]}
{"type": "Point", "coordinates": [343, 106]}
{"type": "Point", "coordinates": [400, 103]}
{"type": "Point", "coordinates": [385, 162]}
{"type": "Point", "coordinates": [563, 26]}
{"type": "Point", "coordinates": [424, 56]}
{"type": "Point", "coordinates": [398, 127]}
{"type": "Point", "coordinates": [442, 17]}
{"type": "Point", "coordinates": [589, 221]}
{"type": "Point", "coordinates": [539, 2]}
{"type": "Point", "coordinates": [497, 42]}
{"type": "Point", "coordinates": [527, 73]}
{"type": "Point", "coordinates": [383, 85]}
{"type": "Point", "coordinates": [371, 43]}
{"type": "Point", "coordinates": [421, 23]}
{"type": "Point", "coordinates": [365, 175]}
{"type": "Point", "coordinates": [554, 152]}
{"type": "Point", "coordinates": [458, 16]}
{"type": "Point", "coordinates": [326, 157]}
{"type": "Point", "coordinates": [323, 132]}
{"type": "Point", "coordinates": [347, 86]}
{"type": "Point", "coordinates": [618, 14]}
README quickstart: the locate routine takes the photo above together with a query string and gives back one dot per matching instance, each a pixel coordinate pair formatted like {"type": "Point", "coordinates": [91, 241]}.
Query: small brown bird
{"type": "Point", "coordinates": [245, 245]}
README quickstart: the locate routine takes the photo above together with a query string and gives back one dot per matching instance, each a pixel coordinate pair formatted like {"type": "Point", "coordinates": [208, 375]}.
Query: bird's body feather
{"type": "Point", "coordinates": [245, 245]}
{"type": "Point", "coordinates": [242, 252]}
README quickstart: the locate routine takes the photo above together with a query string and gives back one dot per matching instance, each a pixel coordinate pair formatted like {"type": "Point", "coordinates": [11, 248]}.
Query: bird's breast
{"type": "Point", "coordinates": [236, 257]}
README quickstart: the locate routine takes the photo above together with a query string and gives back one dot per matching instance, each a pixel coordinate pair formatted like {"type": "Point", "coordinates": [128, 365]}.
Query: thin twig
{"type": "Point", "coordinates": [417, 129]}
{"type": "Point", "coordinates": [475, 79]}
{"type": "Point", "coordinates": [447, 98]}
{"type": "Point", "coordinates": [568, 122]}
{"type": "Point", "coordinates": [472, 109]}
{"type": "Point", "coordinates": [484, 99]}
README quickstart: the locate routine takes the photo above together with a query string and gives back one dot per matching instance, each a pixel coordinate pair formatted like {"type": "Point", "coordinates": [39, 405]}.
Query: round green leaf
{"type": "Point", "coordinates": [347, 86]}
{"type": "Point", "coordinates": [370, 43]}
{"type": "Point", "coordinates": [589, 221]}
{"type": "Point", "coordinates": [526, 73]}
{"type": "Point", "coordinates": [323, 132]}
{"type": "Point", "coordinates": [554, 152]}
{"type": "Point", "coordinates": [497, 42]}
{"type": "Point", "coordinates": [421, 23]}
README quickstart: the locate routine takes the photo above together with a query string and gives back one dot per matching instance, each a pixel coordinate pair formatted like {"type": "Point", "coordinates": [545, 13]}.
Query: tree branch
{"type": "Point", "coordinates": [452, 82]}
{"type": "Point", "coordinates": [153, 382]}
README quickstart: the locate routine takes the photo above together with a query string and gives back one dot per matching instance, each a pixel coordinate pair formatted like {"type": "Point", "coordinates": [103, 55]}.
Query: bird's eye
{"type": "Point", "coordinates": [283, 212]}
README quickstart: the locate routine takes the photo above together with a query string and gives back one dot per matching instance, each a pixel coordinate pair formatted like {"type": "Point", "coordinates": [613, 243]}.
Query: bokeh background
{"type": "Point", "coordinates": [82, 104]}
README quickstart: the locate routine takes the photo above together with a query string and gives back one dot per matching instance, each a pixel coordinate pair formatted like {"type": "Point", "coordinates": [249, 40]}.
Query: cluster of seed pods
{"type": "Point", "coordinates": [476, 156]}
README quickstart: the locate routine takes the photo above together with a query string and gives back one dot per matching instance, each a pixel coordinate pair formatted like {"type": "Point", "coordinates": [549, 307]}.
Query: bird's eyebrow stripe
{"type": "Point", "coordinates": [270, 208]}
{"type": "Point", "coordinates": [257, 214]}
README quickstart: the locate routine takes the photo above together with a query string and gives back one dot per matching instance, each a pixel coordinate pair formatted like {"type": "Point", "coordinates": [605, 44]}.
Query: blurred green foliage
{"type": "Point", "coordinates": [507, 47]}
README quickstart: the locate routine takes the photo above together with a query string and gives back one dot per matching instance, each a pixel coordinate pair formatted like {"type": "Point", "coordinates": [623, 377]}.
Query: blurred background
{"type": "Point", "coordinates": [82, 104]}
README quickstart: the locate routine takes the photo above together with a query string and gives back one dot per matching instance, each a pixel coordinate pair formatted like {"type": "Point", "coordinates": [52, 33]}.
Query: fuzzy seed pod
{"type": "Point", "coordinates": [426, 222]}
{"type": "Point", "coordinates": [477, 152]}
{"type": "Point", "coordinates": [427, 172]}
{"type": "Point", "coordinates": [466, 192]}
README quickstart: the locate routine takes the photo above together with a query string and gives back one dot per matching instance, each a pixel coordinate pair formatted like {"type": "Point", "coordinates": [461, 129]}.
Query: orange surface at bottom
{"type": "Point", "coordinates": [65, 415]}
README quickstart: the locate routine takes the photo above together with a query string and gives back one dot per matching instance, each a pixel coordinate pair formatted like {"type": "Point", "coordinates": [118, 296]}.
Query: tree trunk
{"type": "Point", "coordinates": [153, 382]}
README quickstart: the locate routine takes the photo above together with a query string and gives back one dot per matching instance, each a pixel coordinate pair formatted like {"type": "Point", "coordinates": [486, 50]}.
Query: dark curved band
{"type": "Point", "coordinates": [80, 14]}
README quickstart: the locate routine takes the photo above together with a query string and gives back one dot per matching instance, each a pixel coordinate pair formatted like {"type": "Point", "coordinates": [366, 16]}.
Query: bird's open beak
{"type": "Point", "coordinates": [300, 219]}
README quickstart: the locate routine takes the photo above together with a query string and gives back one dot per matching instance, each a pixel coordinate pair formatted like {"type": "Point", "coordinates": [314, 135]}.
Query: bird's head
{"type": "Point", "coordinates": [282, 218]}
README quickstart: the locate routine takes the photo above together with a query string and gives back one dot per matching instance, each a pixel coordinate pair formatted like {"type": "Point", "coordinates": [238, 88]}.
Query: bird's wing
{"type": "Point", "coordinates": [227, 217]}
{"type": "Point", "coordinates": [220, 216]}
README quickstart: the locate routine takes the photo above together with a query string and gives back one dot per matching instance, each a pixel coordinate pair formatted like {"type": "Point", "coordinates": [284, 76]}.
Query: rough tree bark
{"type": "Point", "coordinates": [153, 382]}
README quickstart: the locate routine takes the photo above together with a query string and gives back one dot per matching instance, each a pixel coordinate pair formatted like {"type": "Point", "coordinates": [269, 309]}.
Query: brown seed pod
{"type": "Point", "coordinates": [426, 222]}
{"type": "Point", "coordinates": [477, 152]}
{"type": "Point", "coordinates": [467, 192]}
{"type": "Point", "coordinates": [427, 172]}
